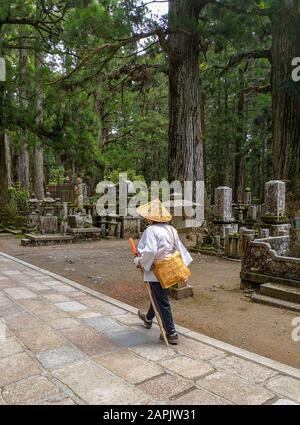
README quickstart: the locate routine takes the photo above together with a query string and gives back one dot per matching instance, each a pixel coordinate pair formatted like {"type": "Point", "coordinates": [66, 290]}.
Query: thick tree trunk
{"type": "Point", "coordinates": [185, 135]}
{"type": "Point", "coordinates": [3, 169]}
{"type": "Point", "coordinates": [8, 159]}
{"type": "Point", "coordinates": [286, 103]}
{"type": "Point", "coordinates": [38, 153]}
{"type": "Point", "coordinates": [239, 166]}
{"type": "Point", "coordinates": [23, 154]}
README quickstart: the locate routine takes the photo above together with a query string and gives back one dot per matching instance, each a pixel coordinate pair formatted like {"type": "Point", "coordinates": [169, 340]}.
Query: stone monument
{"type": "Point", "coordinates": [225, 224]}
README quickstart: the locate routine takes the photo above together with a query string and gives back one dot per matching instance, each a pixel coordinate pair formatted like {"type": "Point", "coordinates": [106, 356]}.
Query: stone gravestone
{"type": "Point", "coordinates": [223, 201]}
{"type": "Point", "coordinates": [225, 224]}
{"type": "Point", "coordinates": [295, 238]}
{"type": "Point", "coordinates": [48, 222]}
{"type": "Point", "coordinates": [247, 197]}
{"type": "Point", "coordinates": [275, 198]}
{"type": "Point", "coordinates": [274, 211]}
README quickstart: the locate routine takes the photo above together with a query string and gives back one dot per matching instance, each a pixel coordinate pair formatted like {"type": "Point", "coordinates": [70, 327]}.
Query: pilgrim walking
{"type": "Point", "coordinates": [165, 262]}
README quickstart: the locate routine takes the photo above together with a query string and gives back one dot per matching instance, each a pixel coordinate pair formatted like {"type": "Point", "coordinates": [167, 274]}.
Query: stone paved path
{"type": "Point", "coordinates": [61, 343]}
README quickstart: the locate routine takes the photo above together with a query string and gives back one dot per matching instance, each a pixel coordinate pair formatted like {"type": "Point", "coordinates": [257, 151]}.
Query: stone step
{"type": "Point", "coordinates": [282, 292]}
{"type": "Point", "coordinates": [274, 302]}
{"type": "Point", "coordinates": [259, 278]}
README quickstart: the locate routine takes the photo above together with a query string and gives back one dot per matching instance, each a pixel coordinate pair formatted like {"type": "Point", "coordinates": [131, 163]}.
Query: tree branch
{"type": "Point", "coordinates": [238, 58]}
{"type": "Point", "coordinates": [253, 91]}
{"type": "Point", "coordinates": [240, 11]}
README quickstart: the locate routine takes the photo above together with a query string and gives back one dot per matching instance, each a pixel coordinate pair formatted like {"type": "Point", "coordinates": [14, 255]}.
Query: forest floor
{"type": "Point", "coordinates": [218, 309]}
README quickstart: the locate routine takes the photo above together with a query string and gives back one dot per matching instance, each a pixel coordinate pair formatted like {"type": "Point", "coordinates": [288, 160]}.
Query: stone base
{"type": "Point", "coordinates": [89, 233]}
{"type": "Point", "coordinates": [25, 242]}
{"type": "Point", "coordinates": [181, 293]}
{"type": "Point", "coordinates": [255, 280]}
{"type": "Point", "coordinates": [40, 240]}
{"type": "Point", "coordinates": [207, 251]}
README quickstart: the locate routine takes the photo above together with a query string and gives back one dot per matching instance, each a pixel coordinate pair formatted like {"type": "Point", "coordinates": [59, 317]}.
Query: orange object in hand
{"type": "Point", "coordinates": [133, 247]}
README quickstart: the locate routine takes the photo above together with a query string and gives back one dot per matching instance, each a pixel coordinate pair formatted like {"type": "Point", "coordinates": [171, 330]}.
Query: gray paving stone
{"type": "Point", "coordinates": [128, 319]}
{"type": "Point", "coordinates": [235, 389]}
{"type": "Point", "coordinates": [93, 384]}
{"type": "Point", "coordinates": [153, 352]}
{"type": "Point", "coordinates": [65, 402]}
{"type": "Point", "coordinates": [11, 272]}
{"type": "Point", "coordinates": [7, 283]}
{"type": "Point", "coordinates": [31, 272]}
{"type": "Point", "coordinates": [104, 324]}
{"type": "Point", "coordinates": [4, 301]}
{"type": "Point", "coordinates": [33, 390]}
{"type": "Point", "coordinates": [166, 387]}
{"type": "Point", "coordinates": [20, 293]}
{"type": "Point", "coordinates": [4, 332]}
{"type": "Point", "coordinates": [245, 369]}
{"type": "Point", "coordinates": [44, 310]}
{"type": "Point", "coordinates": [17, 367]}
{"type": "Point", "coordinates": [285, 402]}
{"type": "Point", "coordinates": [35, 305]}
{"type": "Point", "coordinates": [75, 294]}
{"type": "Point", "coordinates": [286, 386]}
{"type": "Point", "coordinates": [64, 289]}
{"type": "Point", "coordinates": [56, 298]}
{"type": "Point", "coordinates": [60, 357]}
{"type": "Point", "coordinates": [199, 397]}
{"type": "Point", "coordinates": [197, 349]}
{"type": "Point", "coordinates": [129, 366]}
{"type": "Point", "coordinates": [22, 320]}
{"type": "Point", "coordinates": [64, 323]}
{"type": "Point", "coordinates": [48, 282]}
{"type": "Point", "coordinates": [40, 338]}
{"type": "Point", "coordinates": [103, 307]}
{"type": "Point", "coordinates": [71, 306]}
{"type": "Point", "coordinates": [88, 340]}
{"type": "Point", "coordinates": [128, 338]}
{"type": "Point", "coordinates": [10, 309]}
{"type": "Point", "coordinates": [88, 314]}
{"type": "Point", "coordinates": [35, 286]}
{"type": "Point", "coordinates": [187, 367]}
{"type": "Point", "coordinates": [9, 347]}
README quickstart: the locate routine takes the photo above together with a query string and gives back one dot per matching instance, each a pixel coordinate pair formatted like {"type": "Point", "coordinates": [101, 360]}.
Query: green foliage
{"type": "Point", "coordinates": [18, 198]}
{"type": "Point", "coordinates": [105, 100]}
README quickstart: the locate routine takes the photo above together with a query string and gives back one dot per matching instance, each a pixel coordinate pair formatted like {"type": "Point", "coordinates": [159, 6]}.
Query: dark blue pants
{"type": "Point", "coordinates": [161, 300]}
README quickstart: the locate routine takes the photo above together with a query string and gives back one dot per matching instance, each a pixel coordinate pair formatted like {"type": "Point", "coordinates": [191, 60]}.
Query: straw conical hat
{"type": "Point", "coordinates": [155, 211]}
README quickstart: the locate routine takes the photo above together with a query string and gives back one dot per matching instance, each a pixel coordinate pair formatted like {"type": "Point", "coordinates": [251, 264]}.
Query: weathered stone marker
{"type": "Point", "coordinates": [223, 202]}
{"type": "Point", "coordinates": [275, 198]}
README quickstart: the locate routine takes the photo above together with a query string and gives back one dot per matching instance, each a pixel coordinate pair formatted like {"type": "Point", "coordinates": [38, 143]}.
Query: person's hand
{"type": "Point", "coordinates": [136, 261]}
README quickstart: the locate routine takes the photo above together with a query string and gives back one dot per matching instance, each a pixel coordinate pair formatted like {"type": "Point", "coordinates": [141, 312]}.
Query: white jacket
{"type": "Point", "coordinates": [157, 243]}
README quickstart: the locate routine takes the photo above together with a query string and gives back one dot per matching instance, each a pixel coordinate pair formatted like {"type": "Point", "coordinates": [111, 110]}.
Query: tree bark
{"type": "Point", "coordinates": [23, 154]}
{"type": "Point", "coordinates": [185, 156]}
{"type": "Point", "coordinates": [239, 166]}
{"type": "Point", "coordinates": [38, 152]}
{"type": "Point", "coordinates": [8, 159]}
{"type": "Point", "coordinates": [3, 168]}
{"type": "Point", "coordinates": [286, 103]}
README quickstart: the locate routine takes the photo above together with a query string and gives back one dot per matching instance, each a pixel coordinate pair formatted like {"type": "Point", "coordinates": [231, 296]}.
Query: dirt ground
{"type": "Point", "coordinates": [218, 308]}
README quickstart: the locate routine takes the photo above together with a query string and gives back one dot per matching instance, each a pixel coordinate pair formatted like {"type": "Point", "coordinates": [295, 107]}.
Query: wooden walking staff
{"type": "Point", "coordinates": [158, 317]}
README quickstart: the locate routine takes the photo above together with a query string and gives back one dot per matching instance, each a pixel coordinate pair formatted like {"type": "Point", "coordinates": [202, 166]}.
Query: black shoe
{"type": "Point", "coordinates": [147, 323]}
{"type": "Point", "coordinates": [172, 339]}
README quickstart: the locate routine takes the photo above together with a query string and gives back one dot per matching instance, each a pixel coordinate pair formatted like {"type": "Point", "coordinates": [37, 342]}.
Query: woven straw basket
{"type": "Point", "coordinates": [171, 271]}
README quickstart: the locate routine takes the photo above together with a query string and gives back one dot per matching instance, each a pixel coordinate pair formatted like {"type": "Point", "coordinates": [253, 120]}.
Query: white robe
{"type": "Point", "coordinates": [157, 243]}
